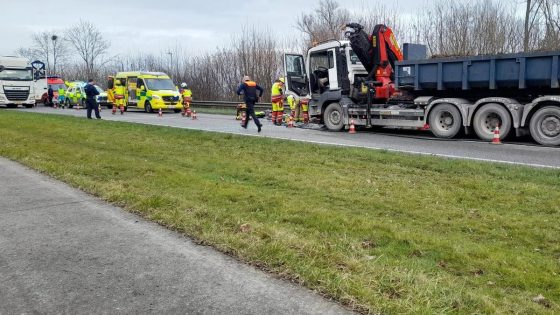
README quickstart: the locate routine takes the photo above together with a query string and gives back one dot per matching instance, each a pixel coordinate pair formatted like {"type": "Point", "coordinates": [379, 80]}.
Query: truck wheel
{"type": "Point", "coordinates": [545, 126]}
{"type": "Point", "coordinates": [12, 106]}
{"type": "Point", "coordinates": [148, 107]}
{"type": "Point", "coordinates": [333, 118]}
{"type": "Point", "coordinates": [28, 106]}
{"type": "Point", "coordinates": [445, 121]}
{"type": "Point", "coordinates": [490, 116]}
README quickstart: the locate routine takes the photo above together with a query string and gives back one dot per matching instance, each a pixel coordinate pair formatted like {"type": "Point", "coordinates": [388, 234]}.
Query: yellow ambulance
{"type": "Point", "coordinates": [149, 91]}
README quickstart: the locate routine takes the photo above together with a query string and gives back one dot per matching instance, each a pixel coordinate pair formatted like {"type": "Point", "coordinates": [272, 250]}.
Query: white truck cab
{"type": "Point", "coordinates": [16, 82]}
{"type": "Point", "coordinates": [332, 67]}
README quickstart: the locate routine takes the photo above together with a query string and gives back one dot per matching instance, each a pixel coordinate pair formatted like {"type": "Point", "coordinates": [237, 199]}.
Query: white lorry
{"type": "Point", "coordinates": [16, 82]}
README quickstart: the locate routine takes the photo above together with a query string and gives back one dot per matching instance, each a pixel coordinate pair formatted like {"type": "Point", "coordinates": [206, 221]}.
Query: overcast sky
{"type": "Point", "coordinates": [156, 25]}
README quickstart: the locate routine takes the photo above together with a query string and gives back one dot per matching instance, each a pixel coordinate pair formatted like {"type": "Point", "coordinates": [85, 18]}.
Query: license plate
{"type": "Point", "coordinates": [170, 106]}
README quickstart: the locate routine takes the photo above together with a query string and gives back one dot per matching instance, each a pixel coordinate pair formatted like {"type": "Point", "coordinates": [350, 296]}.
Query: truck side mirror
{"type": "Point", "coordinates": [2, 68]}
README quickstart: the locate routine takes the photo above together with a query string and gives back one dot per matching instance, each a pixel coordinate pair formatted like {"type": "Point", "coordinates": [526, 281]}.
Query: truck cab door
{"type": "Point", "coordinates": [333, 72]}
{"type": "Point", "coordinates": [296, 76]}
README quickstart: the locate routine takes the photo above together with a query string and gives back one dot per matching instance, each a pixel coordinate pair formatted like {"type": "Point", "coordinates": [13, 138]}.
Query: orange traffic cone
{"type": "Point", "coordinates": [160, 113]}
{"type": "Point", "coordinates": [114, 110]}
{"type": "Point", "coordinates": [291, 122]}
{"type": "Point", "coordinates": [496, 139]}
{"type": "Point", "coordinates": [352, 127]}
{"type": "Point", "coordinates": [189, 113]}
{"type": "Point", "coordinates": [243, 119]}
{"type": "Point", "coordinates": [194, 116]}
{"type": "Point", "coordinates": [122, 109]}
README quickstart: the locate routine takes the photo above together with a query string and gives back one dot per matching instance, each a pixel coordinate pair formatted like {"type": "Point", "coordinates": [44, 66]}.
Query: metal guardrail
{"type": "Point", "coordinates": [226, 104]}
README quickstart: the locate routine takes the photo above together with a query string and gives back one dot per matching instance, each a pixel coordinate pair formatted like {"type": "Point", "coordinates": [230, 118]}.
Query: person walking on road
{"type": "Point", "coordinates": [91, 93]}
{"type": "Point", "coordinates": [249, 90]}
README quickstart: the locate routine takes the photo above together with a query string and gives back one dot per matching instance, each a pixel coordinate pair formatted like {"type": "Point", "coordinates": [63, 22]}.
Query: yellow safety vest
{"type": "Point", "coordinates": [187, 93]}
{"type": "Point", "coordinates": [276, 89]}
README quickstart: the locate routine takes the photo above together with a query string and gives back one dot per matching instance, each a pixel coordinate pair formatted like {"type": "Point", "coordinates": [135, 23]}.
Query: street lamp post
{"type": "Point", "coordinates": [54, 38]}
{"type": "Point", "coordinates": [170, 61]}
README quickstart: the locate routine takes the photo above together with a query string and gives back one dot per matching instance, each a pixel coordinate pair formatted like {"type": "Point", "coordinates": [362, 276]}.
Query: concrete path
{"type": "Point", "coordinates": [63, 251]}
{"type": "Point", "coordinates": [396, 141]}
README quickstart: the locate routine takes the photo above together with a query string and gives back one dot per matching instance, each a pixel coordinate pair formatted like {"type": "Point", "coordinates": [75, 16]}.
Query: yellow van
{"type": "Point", "coordinates": [150, 91]}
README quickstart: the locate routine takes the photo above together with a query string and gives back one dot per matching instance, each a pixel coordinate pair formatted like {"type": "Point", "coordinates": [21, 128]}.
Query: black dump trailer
{"type": "Point", "coordinates": [517, 92]}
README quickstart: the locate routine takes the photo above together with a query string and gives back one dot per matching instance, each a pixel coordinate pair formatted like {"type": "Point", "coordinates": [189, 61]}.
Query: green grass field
{"type": "Point", "coordinates": [378, 231]}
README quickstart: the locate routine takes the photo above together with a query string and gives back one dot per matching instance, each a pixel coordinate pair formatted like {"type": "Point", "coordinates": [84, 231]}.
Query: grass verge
{"type": "Point", "coordinates": [382, 232]}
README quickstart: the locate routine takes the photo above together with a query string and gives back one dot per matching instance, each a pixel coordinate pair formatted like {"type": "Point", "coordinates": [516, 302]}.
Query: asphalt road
{"type": "Point", "coordinates": [407, 142]}
{"type": "Point", "coordinates": [65, 252]}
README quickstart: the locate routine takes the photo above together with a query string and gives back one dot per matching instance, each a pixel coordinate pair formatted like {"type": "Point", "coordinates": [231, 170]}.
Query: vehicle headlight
{"type": "Point", "coordinates": [156, 97]}
{"type": "Point", "coordinates": [2, 97]}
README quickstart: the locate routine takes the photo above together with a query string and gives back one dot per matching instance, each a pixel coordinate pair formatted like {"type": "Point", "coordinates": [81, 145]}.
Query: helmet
{"type": "Point", "coordinates": [282, 80]}
{"type": "Point", "coordinates": [184, 85]}
{"type": "Point", "coordinates": [246, 78]}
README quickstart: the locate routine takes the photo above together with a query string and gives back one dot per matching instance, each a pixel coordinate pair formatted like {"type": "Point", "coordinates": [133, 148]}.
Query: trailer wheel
{"type": "Point", "coordinates": [445, 121]}
{"type": "Point", "coordinates": [333, 117]}
{"type": "Point", "coordinates": [545, 126]}
{"type": "Point", "coordinates": [490, 116]}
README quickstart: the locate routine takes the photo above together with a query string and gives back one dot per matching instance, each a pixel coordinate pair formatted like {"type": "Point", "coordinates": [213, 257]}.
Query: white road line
{"type": "Point", "coordinates": [448, 156]}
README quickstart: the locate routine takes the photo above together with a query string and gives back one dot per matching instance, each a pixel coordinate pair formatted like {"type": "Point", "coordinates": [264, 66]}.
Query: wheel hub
{"type": "Point", "coordinates": [446, 120]}
{"type": "Point", "coordinates": [492, 121]}
{"type": "Point", "coordinates": [551, 126]}
{"type": "Point", "coordinates": [335, 117]}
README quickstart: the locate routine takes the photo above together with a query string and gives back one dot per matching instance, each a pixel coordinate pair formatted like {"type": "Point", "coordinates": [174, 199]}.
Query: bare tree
{"type": "Point", "coordinates": [323, 24]}
{"type": "Point", "coordinates": [532, 14]}
{"type": "Point", "coordinates": [47, 47]}
{"type": "Point", "coordinates": [89, 44]}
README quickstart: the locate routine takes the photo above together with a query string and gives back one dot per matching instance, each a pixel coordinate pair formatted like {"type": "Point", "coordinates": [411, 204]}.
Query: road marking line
{"type": "Point", "coordinates": [447, 156]}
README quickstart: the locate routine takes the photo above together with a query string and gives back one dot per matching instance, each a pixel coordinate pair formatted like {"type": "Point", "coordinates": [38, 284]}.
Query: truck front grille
{"type": "Point", "coordinates": [16, 95]}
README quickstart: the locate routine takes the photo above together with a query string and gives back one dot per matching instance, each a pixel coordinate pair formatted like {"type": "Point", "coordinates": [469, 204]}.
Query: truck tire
{"type": "Point", "coordinates": [28, 106]}
{"type": "Point", "coordinates": [148, 107]}
{"type": "Point", "coordinates": [545, 126]}
{"type": "Point", "coordinates": [490, 116]}
{"type": "Point", "coordinates": [333, 118]}
{"type": "Point", "coordinates": [11, 106]}
{"type": "Point", "coordinates": [445, 121]}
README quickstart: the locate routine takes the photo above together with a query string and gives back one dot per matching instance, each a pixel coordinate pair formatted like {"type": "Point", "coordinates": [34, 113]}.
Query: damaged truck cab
{"type": "Point", "coordinates": [366, 79]}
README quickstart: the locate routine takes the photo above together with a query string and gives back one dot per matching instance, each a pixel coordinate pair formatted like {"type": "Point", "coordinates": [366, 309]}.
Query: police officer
{"type": "Point", "coordinates": [50, 94]}
{"type": "Point", "coordinates": [91, 93]}
{"type": "Point", "coordinates": [249, 89]}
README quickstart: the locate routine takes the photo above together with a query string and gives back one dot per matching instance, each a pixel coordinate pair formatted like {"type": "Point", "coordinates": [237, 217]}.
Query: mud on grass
{"type": "Point", "coordinates": [383, 232]}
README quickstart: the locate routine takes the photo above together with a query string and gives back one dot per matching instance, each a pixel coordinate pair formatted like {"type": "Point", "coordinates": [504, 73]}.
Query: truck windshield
{"type": "Point", "coordinates": [160, 84]}
{"type": "Point", "coordinates": [58, 86]}
{"type": "Point", "coordinates": [354, 58]}
{"type": "Point", "coordinates": [16, 75]}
